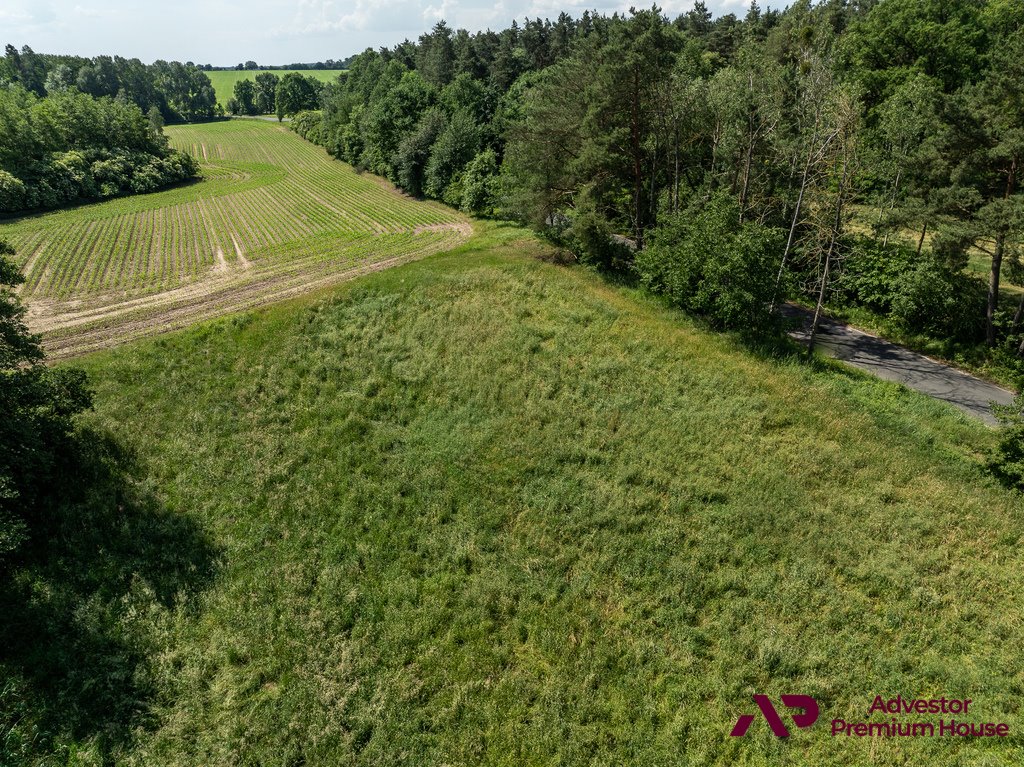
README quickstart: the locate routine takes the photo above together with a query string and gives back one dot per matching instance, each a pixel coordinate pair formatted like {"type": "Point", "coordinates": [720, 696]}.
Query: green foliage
{"type": "Point", "coordinates": [872, 273]}
{"type": "Point", "coordinates": [244, 98]}
{"type": "Point", "coordinates": [1006, 461]}
{"type": "Point", "coordinates": [181, 92]}
{"type": "Point", "coordinates": [25, 68]}
{"type": "Point", "coordinates": [380, 114]}
{"type": "Point", "coordinates": [38, 405]}
{"type": "Point", "coordinates": [414, 152]}
{"type": "Point", "coordinates": [590, 123]}
{"type": "Point", "coordinates": [480, 184]}
{"type": "Point", "coordinates": [12, 192]}
{"type": "Point", "coordinates": [900, 38]}
{"type": "Point", "coordinates": [349, 143]}
{"type": "Point", "coordinates": [391, 119]}
{"type": "Point", "coordinates": [541, 168]}
{"type": "Point", "coordinates": [309, 125]}
{"type": "Point", "coordinates": [70, 148]}
{"type": "Point", "coordinates": [921, 295]}
{"type": "Point", "coordinates": [17, 345]}
{"type": "Point", "coordinates": [296, 93]}
{"type": "Point", "coordinates": [935, 300]}
{"type": "Point", "coordinates": [224, 82]}
{"type": "Point", "coordinates": [456, 145]}
{"type": "Point", "coordinates": [436, 55]}
{"type": "Point", "coordinates": [590, 237]}
{"type": "Point", "coordinates": [706, 262]}
{"type": "Point", "coordinates": [187, 90]}
{"type": "Point", "coordinates": [467, 95]}
{"type": "Point", "coordinates": [266, 92]}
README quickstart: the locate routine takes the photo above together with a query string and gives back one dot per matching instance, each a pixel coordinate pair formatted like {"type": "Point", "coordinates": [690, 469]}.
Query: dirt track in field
{"type": "Point", "coordinates": [73, 328]}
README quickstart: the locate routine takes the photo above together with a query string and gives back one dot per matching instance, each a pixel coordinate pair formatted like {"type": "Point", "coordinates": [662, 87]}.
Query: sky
{"type": "Point", "coordinates": [271, 31]}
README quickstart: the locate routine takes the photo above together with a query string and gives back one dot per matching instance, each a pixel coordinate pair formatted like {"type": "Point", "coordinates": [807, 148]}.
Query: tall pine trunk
{"type": "Point", "coordinates": [796, 216]}
{"type": "Point", "coordinates": [638, 171]}
{"type": "Point", "coordinates": [993, 291]}
{"type": "Point", "coordinates": [892, 204]}
{"type": "Point", "coordinates": [997, 265]}
{"type": "Point", "coordinates": [833, 239]}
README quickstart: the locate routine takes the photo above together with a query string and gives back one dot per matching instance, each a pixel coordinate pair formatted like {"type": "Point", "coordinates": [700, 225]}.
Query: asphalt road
{"type": "Point", "coordinates": [897, 363]}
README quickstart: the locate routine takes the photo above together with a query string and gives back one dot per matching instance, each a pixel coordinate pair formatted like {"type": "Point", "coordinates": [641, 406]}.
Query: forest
{"type": "Point", "coordinates": [181, 92]}
{"type": "Point", "coordinates": [69, 148]}
{"type": "Point", "coordinates": [74, 129]}
{"type": "Point", "coordinates": [857, 156]}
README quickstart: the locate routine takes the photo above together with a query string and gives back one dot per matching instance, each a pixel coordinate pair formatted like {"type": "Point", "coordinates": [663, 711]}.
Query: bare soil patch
{"type": "Point", "coordinates": [70, 329]}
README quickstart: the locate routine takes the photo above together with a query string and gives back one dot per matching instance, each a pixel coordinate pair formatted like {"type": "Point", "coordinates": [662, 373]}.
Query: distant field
{"type": "Point", "coordinates": [273, 216]}
{"type": "Point", "coordinates": [224, 80]}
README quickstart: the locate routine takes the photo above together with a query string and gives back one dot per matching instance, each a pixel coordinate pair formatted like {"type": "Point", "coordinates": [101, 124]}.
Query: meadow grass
{"type": "Point", "coordinates": [486, 509]}
{"type": "Point", "coordinates": [223, 80]}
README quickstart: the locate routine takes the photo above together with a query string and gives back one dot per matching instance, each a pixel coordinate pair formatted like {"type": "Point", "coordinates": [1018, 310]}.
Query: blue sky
{"type": "Point", "coordinates": [268, 31]}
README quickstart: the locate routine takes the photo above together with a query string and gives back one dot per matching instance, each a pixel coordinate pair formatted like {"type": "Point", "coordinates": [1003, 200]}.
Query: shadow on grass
{"type": "Point", "coordinates": [83, 600]}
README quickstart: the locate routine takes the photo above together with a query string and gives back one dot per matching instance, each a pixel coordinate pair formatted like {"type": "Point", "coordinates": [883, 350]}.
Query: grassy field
{"type": "Point", "coordinates": [273, 215]}
{"type": "Point", "coordinates": [224, 80]}
{"type": "Point", "coordinates": [484, 509]}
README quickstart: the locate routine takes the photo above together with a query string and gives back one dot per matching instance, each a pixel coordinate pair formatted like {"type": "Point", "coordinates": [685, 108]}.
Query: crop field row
{"type": "Point", "coordinates": [77, 332]}
{"type": "Point", "coordinates": [269, 204]}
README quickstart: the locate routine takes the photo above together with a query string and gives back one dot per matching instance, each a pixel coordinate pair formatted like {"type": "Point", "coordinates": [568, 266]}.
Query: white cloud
{"type": "Point", "coordinates": [17, 15]}
{"type": "Point", "coordinates": [271, 31]}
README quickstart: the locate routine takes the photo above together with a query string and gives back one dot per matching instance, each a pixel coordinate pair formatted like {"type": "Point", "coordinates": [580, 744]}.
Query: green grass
{"type": "Point", "coordinates": [224, 80]}
{"type": "Point", "coordinates": [267, 199]}
{"type": "Point", "coordinates": [483, 509]}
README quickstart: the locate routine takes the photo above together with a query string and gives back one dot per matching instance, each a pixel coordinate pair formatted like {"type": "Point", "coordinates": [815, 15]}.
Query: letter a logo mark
{"type": "Point", "coordinates": [806, 719]}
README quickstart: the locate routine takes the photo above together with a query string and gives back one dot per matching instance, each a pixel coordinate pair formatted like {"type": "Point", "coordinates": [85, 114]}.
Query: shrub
{"type": "Point", "coordinates": [590, 237]}
{"type": "Point", "coordinates": [935, 300]}
{"type": "Point", "coordinates": [1006, 462]}
{"type": "Point", "coordinates": [12, 192]}
{"type": "Point", "coordinates": [38, 404]}
{"type": "Point", "coordinates": [708, 263]}
{"type": "Point", "coordinates": [70, 177]}
{"type": "Point", "coordinates": [479, 183]}
{"type": "Point", "coordinates": [872, 273]}
{"type": "Point", "coordinates": [920, 293]}
{"type": "Point", "coordinates": [309, 125]}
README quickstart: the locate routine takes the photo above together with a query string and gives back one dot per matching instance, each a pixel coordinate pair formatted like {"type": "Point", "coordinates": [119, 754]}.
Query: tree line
{"type": "Point", "coordinates": [181, 92]}
{"type": "Point", "coordinates": [252, 65]}
{"type": "Point", "coordinates": [856, 154]}
{"type": "Point", "coordinates": [267, 93]}
{"type": "Point", "coordinates": [69, 148]}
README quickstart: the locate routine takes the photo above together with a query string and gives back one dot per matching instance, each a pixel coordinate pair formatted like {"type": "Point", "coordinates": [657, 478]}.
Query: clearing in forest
{"type": "Point", "coordinates": [273, 216]}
